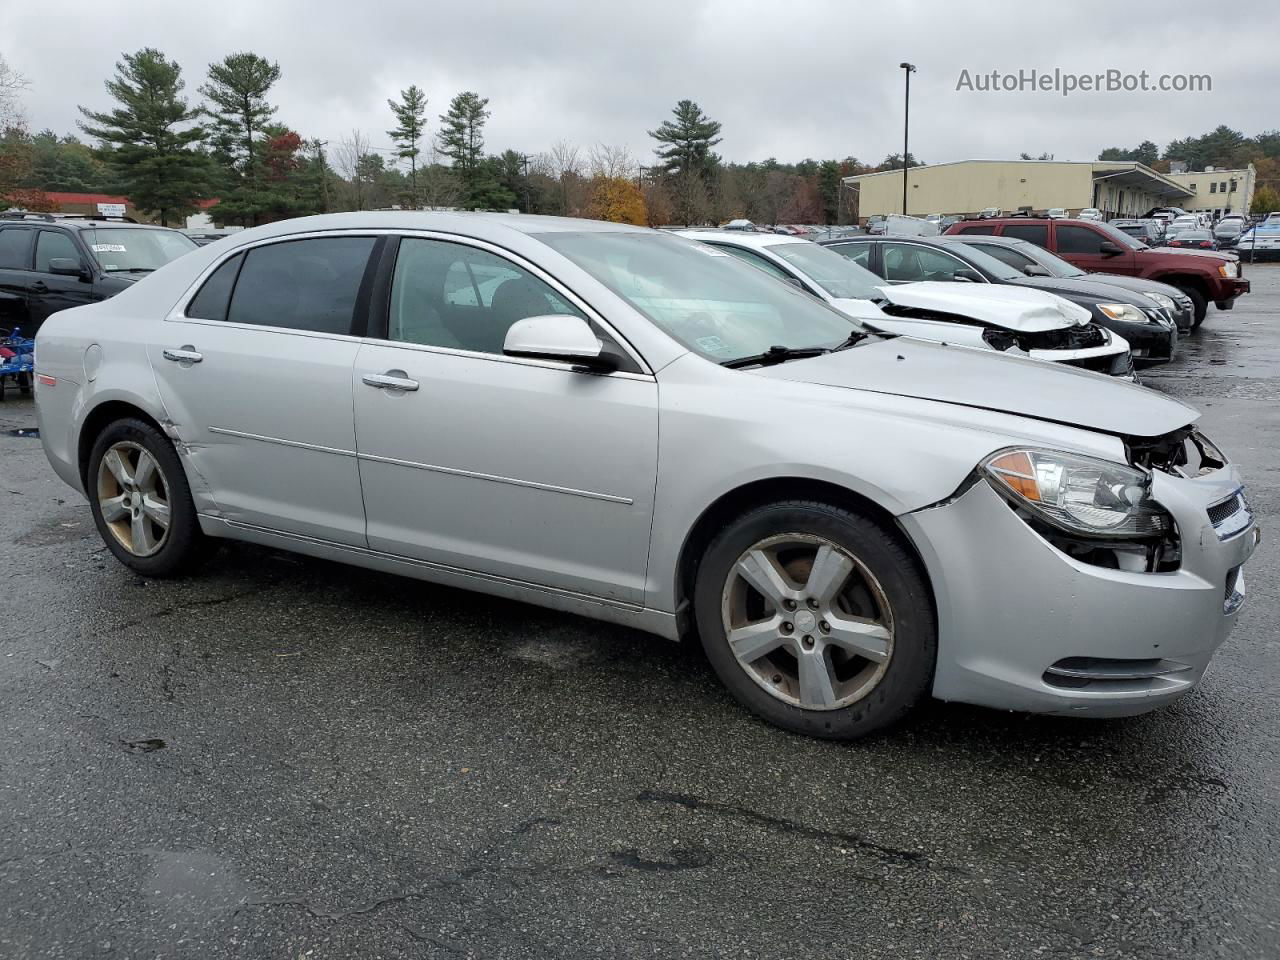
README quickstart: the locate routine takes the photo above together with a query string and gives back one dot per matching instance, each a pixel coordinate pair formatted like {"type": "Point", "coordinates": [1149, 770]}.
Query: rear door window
{"type": "Point", "coordinates": [310, 284]}
{"type": "Point", "coordinates": [1036, 233]}
{"type": "Point", "coordinates": [984, 228]}
{"type": "Point", "coordinates": [1004, 254]}
{"type": "Point", "coordinates": [15, 249]}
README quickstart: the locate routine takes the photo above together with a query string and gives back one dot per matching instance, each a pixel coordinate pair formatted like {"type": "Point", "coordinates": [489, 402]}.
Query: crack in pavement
{"type": "Point", "coordinates": [791, 827]}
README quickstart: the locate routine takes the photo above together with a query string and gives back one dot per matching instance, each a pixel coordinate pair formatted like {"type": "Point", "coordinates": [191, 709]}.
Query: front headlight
{"type": "Point", "coordinates": [1079, 494]}
{"type": "Point", "coordinates": [1123, 311]}
{"type": "Point", "coordinates": [1230, 269]}
{"type": "Point", "coordinates": [1161, 300]}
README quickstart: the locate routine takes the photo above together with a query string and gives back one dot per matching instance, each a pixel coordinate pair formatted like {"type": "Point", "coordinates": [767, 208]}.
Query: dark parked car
{"type": "Point", "coordinates": [1194, 240]}
{"type": "Point", "coordinates": [1228, 232]}
{"type": "Point", "coordinates": [50, 263]}
{"type": "Point", "coordinates": [1036, 261]}
{"type": "Point", "coordinates": [1204, 276]}
{"type": "Point", "coordinates": [1150, 232]}
{"type": "Point", "coordinates": [1148, 328]}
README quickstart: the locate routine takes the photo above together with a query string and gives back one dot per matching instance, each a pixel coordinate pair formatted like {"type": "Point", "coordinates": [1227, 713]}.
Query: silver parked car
{"type": "Point", "coordinates": [642, 429]}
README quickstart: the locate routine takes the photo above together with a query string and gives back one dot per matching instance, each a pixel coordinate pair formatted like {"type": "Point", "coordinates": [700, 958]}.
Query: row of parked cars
{"type": "Point", "coordinates": [844, 468]}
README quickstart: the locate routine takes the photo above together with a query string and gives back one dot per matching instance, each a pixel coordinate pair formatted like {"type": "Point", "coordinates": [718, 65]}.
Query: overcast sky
{"type": "Point", "coordinates": [789, 79]}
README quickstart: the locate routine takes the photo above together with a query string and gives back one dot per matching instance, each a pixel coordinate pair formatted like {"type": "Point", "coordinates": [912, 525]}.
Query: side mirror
{"type": "Point", "coordinates": [1035, 270]}
{"type": "Point", "coordinates": [1109, 248]}
{"type": "Point", "coordinates": [968, 275]}
{"type": "Point", "coordinates": [68, 267]}
{"type": "Point", "coordinates": [558, 336]}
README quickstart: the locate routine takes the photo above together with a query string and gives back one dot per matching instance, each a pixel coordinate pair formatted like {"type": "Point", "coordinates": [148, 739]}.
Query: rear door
{"type": "Point", "coordinates": [255, 373]}
{"type": "Point", "coordinates": [1081, 244]}
{"type": "Point", "coordinates": [47, 292]}
{"type": "Point", "coordinates": [15, 275]}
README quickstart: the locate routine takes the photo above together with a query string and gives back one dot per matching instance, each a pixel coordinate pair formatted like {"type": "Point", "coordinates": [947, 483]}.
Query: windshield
{"type": "Point", "coordinates": [1120, 237]}
{"type": "Point", "coordinates": [136, 249]}
{"type": "Point", "coordinates": [836, 274]}
{"type": "Point", "coordinates": [711, 302]}
{"type": "Point", "coordinates": [986, 263]}
{"type": "Point", "coordinates": [1056, 266]}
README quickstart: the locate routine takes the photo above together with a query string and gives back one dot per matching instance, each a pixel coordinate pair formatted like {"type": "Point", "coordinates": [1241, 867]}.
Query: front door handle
{"type": "Point", "coordinates": [40, 287]}
{"type": "Point", "coordinates": [389, 381]}
{"type": "Point", "coordinates": [185, 355]}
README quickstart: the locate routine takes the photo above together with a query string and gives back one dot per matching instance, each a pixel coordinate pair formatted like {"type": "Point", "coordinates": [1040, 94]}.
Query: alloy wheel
{"type": "Point", "coordinates": [807, 621]}
{"type": "Point", "coordinates": [133, 498]}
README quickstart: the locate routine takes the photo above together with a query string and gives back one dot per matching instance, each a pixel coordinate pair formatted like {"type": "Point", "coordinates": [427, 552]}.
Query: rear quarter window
{"type": "Point", "coordinates": [214, 298]}
{"type": "Point", "coordinates": [983, 228]}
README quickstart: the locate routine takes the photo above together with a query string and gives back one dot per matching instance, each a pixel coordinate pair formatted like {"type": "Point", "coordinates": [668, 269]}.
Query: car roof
{"type": "Point", "coordinates": [743, 238]}
{"type": "Point", "coordinates": [75, 222]}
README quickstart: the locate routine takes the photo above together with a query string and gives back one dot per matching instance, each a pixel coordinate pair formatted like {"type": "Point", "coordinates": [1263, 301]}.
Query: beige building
{"type": "Point", "coordinates": [1217, 191]}
{"type": "Point", "coordinates": [967, 187]}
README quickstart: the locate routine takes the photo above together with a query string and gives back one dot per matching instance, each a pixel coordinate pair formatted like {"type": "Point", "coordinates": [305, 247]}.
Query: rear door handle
{"type": "Point", "coordinates": [389, 381]}
{"type": "Point", "coordinates": [185, 355]}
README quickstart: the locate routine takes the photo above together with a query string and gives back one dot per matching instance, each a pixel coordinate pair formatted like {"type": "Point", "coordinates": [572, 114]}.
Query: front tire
{"type": "Point", "coordinates": [1199, 306]}
{"type": "Point", "coordinates": [141, 501]}
{"type": "Point", "coordinates": [816, 619]}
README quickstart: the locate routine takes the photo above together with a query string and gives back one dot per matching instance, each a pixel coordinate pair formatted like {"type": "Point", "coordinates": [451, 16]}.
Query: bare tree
{"type": "Point", "coordinates": [12, 83]}
{"type": "Point", "coordinates": [347, 159]}
{"type": "Point", "coordinates": [614, 162]}
{"type": "Point", "coordinates": [438, 186]}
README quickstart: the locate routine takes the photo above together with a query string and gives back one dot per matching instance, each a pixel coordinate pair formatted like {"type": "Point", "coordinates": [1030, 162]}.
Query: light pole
{"type": "Point", "coordinates": [909, 69]}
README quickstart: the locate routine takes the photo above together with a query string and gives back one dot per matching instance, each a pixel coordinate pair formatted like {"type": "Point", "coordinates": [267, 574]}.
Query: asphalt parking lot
{"type": "Point", "coordinates": [289, 758]}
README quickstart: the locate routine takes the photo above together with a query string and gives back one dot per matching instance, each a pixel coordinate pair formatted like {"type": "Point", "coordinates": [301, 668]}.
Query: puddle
{"type": "Point", "coordinates": [25, 432]}
{"type": "Point", "coordinates": [191, 886]}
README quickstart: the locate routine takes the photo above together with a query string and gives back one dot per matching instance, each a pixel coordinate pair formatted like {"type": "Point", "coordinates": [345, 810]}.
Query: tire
{"type": "Point", "coordinates": [1199, 305]}
{"type": "Point", "coordinates": [126, 498]}
{"type": "Point", "coordinates": [883, 593]}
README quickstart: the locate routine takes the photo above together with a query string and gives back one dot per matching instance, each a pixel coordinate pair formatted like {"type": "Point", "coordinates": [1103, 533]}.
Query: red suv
{"type": "Point", "coordinates": [1101, 248]}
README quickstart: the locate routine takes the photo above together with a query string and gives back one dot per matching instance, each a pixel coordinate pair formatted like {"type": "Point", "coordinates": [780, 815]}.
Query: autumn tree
{"type": "Point", "coordinates": [149, 138]}
{"type": "Point", "coordinates": [410, 113]}
{"type": "Point", "coordinates": [616, 199]}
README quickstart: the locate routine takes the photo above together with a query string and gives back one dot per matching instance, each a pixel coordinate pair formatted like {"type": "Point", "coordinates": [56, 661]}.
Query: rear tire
{"type": "Point", "coordinates": [817, 619]}
{"type": "Point", "coordinates": [1199, 306]}
{"type": "Point", "coordinates": [141, 501]}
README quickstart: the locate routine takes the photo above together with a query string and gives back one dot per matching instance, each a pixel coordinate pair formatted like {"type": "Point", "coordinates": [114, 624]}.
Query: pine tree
{"type": "Point", "coordinates": [149, 138]}
{"type": "Point", "coordinates": [461, 139]}
{"type": "Point", "coordinates": [410, 115]}
{"type": "Point", "coordinates": [687, 141]}
{"type": "Point", "coordinates": [237, 90]}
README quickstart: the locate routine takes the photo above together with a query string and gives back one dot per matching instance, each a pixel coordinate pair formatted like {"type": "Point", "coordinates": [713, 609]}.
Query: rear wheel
{"type": "Point", "coordinates": [816, 619]}
{"type": "Point", "coordinates": [1199, 306]}
{"type": "Point", "coordinates": [141, 501]}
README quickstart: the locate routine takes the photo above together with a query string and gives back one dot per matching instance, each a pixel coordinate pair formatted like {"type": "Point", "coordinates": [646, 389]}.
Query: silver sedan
{"type": "Point", "coordinates": [638, 428]}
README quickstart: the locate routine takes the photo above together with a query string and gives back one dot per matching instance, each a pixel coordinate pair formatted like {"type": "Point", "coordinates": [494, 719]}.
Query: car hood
{"type": "Point", "coordinates": [1086, 288]}
{"type": "Point", "coordinates": [1136, 284]}
{"type": "Point", "coordinates": [1217, 258]}
{"type": "Point", "coordinates": [907, 367]}
{"type": "Point", "coordinates": [1002, 305]}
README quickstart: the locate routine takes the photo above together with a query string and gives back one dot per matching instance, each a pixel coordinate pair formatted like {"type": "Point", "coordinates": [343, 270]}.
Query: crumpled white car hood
{"type": "Point", "coordinates": [1014, 308]}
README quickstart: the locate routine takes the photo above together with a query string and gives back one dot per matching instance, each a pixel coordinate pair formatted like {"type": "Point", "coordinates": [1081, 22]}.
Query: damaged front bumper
{"type": "Point", "coordinates": [1023, 626]}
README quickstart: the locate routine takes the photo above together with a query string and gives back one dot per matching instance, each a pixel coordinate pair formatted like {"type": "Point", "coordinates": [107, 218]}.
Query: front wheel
{"type": "Point", "coordinates": [1199, 306]}
{"type": "Point", "coordinates": [141, 501]}
{"type": "Point", "coordinates": [816, 619]}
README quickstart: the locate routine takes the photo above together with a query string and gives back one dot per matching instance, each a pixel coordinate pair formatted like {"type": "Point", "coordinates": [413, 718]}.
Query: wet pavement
{"type": "Point", "coordinates": [290, 758]}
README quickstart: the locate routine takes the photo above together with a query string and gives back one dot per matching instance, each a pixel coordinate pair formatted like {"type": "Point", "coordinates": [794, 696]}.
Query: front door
{"type": "Point", "coordinates": [255, 374]}
{"type": "Point", "coordinates": [47, 292]}
{"type": "Point", "coordinates": [1082, 246]}
{"type": "Point", "coordinates": [521, 469]}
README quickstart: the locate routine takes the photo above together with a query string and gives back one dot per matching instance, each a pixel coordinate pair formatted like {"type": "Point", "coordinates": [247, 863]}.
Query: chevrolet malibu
{"type": "Point", "coordinates": [634, 427]}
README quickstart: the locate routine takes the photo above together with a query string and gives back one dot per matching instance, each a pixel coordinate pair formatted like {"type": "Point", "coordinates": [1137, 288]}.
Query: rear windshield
{"type": "Point", "coordinates": [136, 249]}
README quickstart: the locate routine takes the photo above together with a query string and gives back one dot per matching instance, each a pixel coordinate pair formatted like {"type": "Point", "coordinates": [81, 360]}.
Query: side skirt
{"type": "Point", "coordinates": [594, 608]}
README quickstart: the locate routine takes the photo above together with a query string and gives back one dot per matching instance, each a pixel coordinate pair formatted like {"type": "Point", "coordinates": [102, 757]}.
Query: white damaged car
{"type": "Point", "coordinates": [1013, 320]}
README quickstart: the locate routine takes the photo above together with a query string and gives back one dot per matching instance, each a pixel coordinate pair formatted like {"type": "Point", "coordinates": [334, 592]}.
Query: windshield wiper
{"type": "Point", "coordinates": [131, 270]}
{"type": "Point", "coordinates": [775, 354]}
{"type": "Point", "coordinates": [855, 338]}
